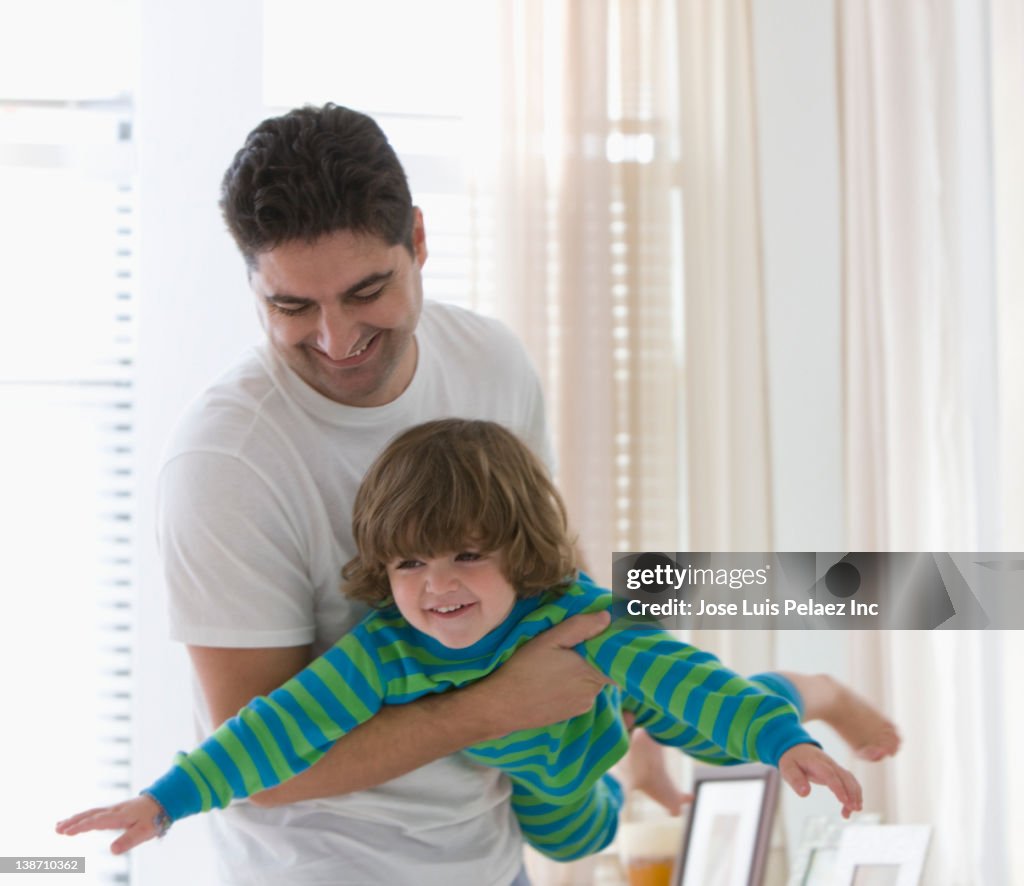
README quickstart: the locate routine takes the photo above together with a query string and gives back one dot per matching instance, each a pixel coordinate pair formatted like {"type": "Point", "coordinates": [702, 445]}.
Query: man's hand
{"type": "Point", "coordinates": [137, 817]}
{"type": "Point", "coordinates": [544, 682]}
{"type": "Point", "coordinates": [807, 763]}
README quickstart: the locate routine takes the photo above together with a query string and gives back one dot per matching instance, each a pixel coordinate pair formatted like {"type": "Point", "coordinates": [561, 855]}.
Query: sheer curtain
{"type": "Point", "coordinates": [727, 400]}
{"type": "Point", "coordinates": [919, 289]}
{"type": "Point", "coordinates": [925, 397]}
{"type": "Point", "coordinates": [615, 121]}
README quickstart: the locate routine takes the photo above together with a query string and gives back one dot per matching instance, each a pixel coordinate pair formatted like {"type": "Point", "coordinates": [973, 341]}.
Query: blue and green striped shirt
{"type": "Point", "coordinates": [566, 804]}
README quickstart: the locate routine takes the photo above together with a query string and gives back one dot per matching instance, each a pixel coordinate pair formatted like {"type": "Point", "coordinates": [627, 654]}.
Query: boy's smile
{"type": "Point", "coordinates": [456, 598]}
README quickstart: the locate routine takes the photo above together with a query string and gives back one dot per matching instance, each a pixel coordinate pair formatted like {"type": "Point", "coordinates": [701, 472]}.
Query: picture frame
{"type": "Point", "coordinates": [815, 858]}
{"type": "Point", "coordinates": [729, 828]}
{"type": "Point", "coordinates": [882, 855]}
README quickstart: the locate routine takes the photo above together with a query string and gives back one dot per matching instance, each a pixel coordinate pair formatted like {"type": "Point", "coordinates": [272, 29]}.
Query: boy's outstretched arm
{"type": "Point", "coordinates": [803, 764]}
{"type": "Point", "coordinates": [546, 681]}
{"type": "Point", "coordinates": [644, 769]}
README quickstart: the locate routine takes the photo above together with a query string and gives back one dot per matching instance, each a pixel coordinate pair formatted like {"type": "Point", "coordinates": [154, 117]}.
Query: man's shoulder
{"type": "Point", "coordinates": [223, 415]}
{"type": "Point", "coordinates": [452, 324]}
{"type": "Point", "coordinates": [457, 344]}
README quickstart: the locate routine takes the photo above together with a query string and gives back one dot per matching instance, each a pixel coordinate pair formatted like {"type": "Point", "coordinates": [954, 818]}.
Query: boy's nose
{"type": "Point", "coordinates": [440, 579]}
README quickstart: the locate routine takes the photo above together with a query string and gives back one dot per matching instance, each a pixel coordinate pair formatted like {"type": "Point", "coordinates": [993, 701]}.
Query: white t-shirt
{"type": "Point", "coordinates": [254, 513]}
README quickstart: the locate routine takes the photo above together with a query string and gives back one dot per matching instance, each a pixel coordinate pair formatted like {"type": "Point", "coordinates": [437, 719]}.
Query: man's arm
{"type": "Point", "coordinates": [544, 682]}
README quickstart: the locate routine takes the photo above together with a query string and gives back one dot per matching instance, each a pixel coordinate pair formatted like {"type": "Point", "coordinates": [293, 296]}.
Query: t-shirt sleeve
{"type": "Point", "coordinates": [232, 556]}
{"type": "Point", "coordinates": [529, 395]}
{"type": "Point", "coordinates": [275, 737]}
{"type": "Point", "coordinates": [684, 696]}
{"type": "Point", "coordinates": [535, 428]}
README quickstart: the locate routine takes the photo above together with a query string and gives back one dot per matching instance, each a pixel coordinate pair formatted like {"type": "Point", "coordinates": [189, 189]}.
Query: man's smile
{"type": "Point", "coordinates": [357, 358]}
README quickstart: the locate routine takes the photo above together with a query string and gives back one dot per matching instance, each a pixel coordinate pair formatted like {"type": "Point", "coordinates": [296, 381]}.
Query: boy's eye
{"type": "Point", "coordinates": [408, 564]}
{"type": "Point", "coordinates": [469, 556]}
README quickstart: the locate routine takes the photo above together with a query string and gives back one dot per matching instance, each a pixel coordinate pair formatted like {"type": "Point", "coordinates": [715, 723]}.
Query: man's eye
{"type": "Point", "coordinates": [288, 311]}
{"type": "Point", "coordinates": [366, 298]}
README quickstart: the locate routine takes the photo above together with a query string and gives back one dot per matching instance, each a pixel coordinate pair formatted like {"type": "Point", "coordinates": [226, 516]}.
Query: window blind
{"type": "Point", "coordinates": [68, 240]}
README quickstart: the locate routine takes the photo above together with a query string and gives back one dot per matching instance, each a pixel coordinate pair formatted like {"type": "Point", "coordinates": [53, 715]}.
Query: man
{"type": "Point", "coordinates": [255, 501]}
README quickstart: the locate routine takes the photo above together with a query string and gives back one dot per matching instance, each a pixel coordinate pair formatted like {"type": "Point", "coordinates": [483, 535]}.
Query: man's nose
{"type": "Point", "coordinates": [335, 334]}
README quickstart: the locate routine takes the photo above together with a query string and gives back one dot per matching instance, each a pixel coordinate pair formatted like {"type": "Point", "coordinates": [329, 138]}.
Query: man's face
{"type": "Point", "coordinates": [341, 312]}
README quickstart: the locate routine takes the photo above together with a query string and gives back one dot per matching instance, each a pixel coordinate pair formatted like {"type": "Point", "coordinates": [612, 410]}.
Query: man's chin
{"type": "Point", "coordinates": [351, 387]}
{"type": "Point", "coordinates": [365, 385]}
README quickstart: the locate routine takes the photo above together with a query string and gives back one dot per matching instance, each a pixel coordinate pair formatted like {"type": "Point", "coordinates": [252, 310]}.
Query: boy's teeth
{"type": "Point", "coordinates": [447, 608]}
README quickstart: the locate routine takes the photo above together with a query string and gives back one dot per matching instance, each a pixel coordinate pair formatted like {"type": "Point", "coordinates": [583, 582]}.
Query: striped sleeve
{"type": "Point", "coordinates": [277, 736]}
{"type": "Point", "coordinates": [685, 697]}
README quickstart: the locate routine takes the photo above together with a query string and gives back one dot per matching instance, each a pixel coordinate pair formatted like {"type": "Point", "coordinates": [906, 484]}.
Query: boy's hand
{"type": "Point", "coordinates": [805, 763]}
{"type": "Point", "coordinates": [137, 817]}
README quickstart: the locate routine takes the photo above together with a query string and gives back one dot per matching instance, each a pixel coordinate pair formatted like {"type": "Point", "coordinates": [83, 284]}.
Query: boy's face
{"type": "Point", "coordinates": [456, 598]}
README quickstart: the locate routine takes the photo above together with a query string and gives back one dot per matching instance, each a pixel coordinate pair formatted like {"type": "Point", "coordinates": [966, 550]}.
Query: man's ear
{"type": "Point", "coordinates": [419, 236]}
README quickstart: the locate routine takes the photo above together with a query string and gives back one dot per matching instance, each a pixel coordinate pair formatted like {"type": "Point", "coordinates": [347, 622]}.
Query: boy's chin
{"type": "Point", "coordinates": [457, 642]}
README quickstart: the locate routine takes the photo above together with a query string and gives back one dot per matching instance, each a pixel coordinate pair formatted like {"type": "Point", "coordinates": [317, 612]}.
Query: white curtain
{"type": "Point", "coordinates": [919, 292]}
{"type": "Point", "coordinates": [925, 400]}
{"type": "Point", "coordinates": [728, 437]}
{"type": "Point", "coordinates": [727, 402]}
{"type": "Point", "coordinates": [615, 121]}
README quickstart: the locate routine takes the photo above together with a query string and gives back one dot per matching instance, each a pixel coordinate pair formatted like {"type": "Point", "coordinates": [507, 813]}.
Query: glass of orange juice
{"type": "Point", "coordinates": [650, 849]}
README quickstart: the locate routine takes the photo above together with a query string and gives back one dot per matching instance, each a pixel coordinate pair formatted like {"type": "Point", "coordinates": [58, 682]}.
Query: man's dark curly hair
{"type": "Point", "coordinates": [311, 172]}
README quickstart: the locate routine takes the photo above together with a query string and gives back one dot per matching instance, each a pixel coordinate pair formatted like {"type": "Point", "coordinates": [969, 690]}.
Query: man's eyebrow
{"type": "Point", "coordinates": [354, 289]}
{"type": "Point", "coordinates": [367, 281]}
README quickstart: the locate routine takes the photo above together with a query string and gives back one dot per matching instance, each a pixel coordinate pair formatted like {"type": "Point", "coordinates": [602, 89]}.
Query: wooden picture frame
{"type": "Point", "coordinates": [729, 828]}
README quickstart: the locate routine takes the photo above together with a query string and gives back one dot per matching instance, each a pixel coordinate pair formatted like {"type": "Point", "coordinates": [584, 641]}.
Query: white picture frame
{"type": "Point", "coordinates": [729, 828]}
{"type": "Point", "coordinates": [815, 858]}
{"type": "Point", "coordinates": [882, 855]}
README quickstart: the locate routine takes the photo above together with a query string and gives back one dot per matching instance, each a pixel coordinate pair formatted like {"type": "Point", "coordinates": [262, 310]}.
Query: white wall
{"type": "Point", "coordinates": [200, 93]}
{"type": "Point", "coordinates": [794, 53]}
{"type": "Point", "coordinates": [795, 83]}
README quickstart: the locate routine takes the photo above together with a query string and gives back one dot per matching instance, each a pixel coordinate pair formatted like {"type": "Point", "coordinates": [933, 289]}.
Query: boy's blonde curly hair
{"type": "Point", "coordinates": [454, 484]}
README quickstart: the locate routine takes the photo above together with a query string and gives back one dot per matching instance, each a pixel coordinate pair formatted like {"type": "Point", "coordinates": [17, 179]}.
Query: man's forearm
{"type": "Point", "coordinates": [397, 740]}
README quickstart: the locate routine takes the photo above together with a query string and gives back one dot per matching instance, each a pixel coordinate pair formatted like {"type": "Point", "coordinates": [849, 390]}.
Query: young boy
{"type": "Point", "coordinates": [464, 548]}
